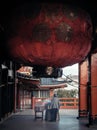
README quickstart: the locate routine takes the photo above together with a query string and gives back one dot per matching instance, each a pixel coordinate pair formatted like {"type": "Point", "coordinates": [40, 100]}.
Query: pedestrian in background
{"type": "Point", "coordinates": [55, 105]}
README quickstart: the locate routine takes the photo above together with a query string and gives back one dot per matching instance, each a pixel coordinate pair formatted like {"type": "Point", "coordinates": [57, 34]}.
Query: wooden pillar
{"type": "Point", "coordinates": [23, 98]}
{"type": "Point", "coordinates": [0, 103]}
{"type": "Point", "coordinates": [33, 102]}
{"type": "Point", "coordinates": [51, 92]}
{"type": "Point", "coordinates": [15, 86]}
{"type": "Point", "coordinates": [18, 98]}
{"type": "Point", "coordinates": [93, 90]}
{"type": "Point", "coordinates": [0, 94]}
{"type": "Point", "coordinates": [12, 84]}
{"type": "Point", "coordinates": [83, 80]}
{"type": "Point", "coordinates": [89, 89]}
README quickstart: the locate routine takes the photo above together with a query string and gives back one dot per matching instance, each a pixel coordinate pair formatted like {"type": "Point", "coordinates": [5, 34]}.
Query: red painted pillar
{"type": "Point", "coordinates": [93, 114]}
{"type": "Point", "coordinates": [83, 79]}
{"type": "Point", "coordinates": [33, 102]}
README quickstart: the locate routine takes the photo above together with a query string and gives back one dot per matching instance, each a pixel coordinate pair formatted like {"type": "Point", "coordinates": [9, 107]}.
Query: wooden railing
{"type": "Point", "coordinates": [68, 103]}
{"type": "Point", "coordinates": [65, 103]}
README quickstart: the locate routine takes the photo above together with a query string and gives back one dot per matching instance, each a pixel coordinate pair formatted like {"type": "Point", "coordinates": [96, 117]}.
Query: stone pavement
{"type": "Point", "coordinates": [25, 120]}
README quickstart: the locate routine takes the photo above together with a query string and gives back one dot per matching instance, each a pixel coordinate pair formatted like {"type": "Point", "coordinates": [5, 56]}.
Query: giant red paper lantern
{"type": "Point", "coordinates": [49, 34]}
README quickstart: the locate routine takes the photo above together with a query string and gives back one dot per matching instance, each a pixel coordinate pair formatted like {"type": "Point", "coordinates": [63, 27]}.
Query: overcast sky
{"type": "Point", "coordinates": [71, 70]}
